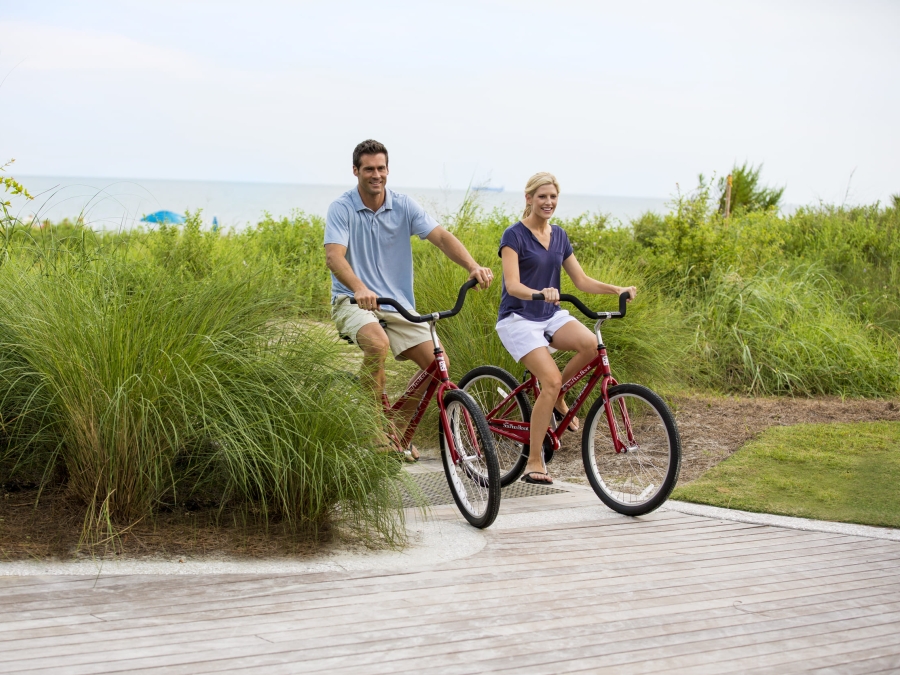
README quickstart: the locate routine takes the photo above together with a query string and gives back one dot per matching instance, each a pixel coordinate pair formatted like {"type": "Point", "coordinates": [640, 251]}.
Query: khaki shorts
{"type": "Point", "coordinates": [402, 334]}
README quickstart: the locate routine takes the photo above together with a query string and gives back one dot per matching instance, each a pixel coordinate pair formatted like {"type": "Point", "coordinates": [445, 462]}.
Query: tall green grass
{"type": "Point", "coordinates": [760, 303]}
{"type": "Point", "coordinates": [147, 387]}
{"type": "Point", "coordinates": [789, 331]}
{"type": "Point", "coordinates": [146, 367]}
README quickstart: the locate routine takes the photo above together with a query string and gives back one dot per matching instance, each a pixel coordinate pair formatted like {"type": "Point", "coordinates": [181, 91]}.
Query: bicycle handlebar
{"type": "Point", "coordinates": [565, 297]}
{"type": "Point", "coordinates": [434, 316]}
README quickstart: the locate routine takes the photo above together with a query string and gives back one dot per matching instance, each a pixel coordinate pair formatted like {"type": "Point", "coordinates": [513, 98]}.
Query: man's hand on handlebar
{"type": "Point", "coordinates": [366, 299]}
{"type": "Point", "coordinates": [483, 275]}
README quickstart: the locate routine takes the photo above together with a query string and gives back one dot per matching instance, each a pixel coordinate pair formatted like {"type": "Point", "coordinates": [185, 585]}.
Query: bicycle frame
{"type": "Point", "coordinates": [436, 379]}
{"type": "Point", "coordinates": [599, 372]}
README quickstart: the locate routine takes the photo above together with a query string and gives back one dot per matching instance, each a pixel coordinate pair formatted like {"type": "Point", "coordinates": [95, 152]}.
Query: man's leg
{"type": "Point", "coordinates": [375, 346]}
{"type": "Point", "coordinates": [423, 356]}
{"type": "Point", "coordinates": [362, 327]}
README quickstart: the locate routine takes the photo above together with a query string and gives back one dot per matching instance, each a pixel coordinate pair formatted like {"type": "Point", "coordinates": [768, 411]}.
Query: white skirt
{"type": "Point", "coordinates": [521, 336]}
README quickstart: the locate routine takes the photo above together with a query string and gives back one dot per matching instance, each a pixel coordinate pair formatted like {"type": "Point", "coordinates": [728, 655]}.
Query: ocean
{"type": "Point", "coordinates": [112, 203]}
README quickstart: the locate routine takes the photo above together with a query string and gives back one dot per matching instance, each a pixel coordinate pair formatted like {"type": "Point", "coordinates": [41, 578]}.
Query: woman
{"type": "Point", "coordinates": [533, 251]}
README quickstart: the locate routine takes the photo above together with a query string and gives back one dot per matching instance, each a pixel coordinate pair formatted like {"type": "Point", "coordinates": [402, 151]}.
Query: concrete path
{"type": "Point", "coordinates": [559, 584]}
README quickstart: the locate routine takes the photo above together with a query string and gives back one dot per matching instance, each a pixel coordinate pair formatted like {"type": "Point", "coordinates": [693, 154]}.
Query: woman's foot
{"type": "Point", "coordinates": [559, 414]}
{"type": "Point", "coordinates": [537, 478]}
{"type": "Point", "coordinates": [537, 475]}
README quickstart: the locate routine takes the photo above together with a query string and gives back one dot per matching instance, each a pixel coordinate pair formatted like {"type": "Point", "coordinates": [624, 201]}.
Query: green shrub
{"type": "Point", "coordinates": [747, 194]}
{"type": "Point", "coordinates": [147, 386]}
{"type": "Point", "coordinates": [788, 330]}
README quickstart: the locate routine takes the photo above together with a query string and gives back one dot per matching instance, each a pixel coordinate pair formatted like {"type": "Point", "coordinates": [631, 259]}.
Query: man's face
{"type": "Point", "coordinates": [372, 174]}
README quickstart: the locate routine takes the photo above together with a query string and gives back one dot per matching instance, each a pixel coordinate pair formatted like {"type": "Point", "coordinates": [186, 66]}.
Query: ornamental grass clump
{"type": "Point", "coordinates": [147, 387]}
{"type": "Point", "coordinates": [790, 331]}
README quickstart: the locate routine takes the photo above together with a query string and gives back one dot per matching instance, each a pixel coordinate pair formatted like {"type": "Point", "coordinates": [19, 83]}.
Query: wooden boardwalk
{"type": "Point", "coordinates": [665, 593]}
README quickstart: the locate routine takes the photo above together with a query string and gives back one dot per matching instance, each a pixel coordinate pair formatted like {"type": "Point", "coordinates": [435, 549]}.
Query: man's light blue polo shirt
{"type": "Point", "coordinates": [378, 246]}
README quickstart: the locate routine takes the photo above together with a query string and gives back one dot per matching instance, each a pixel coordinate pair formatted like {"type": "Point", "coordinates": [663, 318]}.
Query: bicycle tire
{"type": "Point", "coordinates": [474, 480]}
{"type": "Point", "coordinates": [488, 386]}
{"type": "Point", "coordinates": [638, 481]}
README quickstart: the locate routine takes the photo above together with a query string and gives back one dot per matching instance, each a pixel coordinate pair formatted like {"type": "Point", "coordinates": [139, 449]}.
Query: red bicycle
{"type": "Point", "coordinates": [630, 444]}
{"type": "Point", "coordinates": [467, 447]}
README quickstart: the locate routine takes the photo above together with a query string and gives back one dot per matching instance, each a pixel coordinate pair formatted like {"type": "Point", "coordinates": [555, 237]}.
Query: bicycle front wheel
{"type": "Point", "coordinates": [490, 386]}
{"type": "Point", "coordinates": [474, 476]}
{"type": "Point", "coordinates": [641, 477]}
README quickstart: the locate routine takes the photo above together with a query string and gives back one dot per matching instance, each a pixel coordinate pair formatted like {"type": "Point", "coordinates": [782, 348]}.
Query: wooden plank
{"type": "Point", "coordinates": [389, 645]}
{"type": "Point", "coordinates": [678, 582]}
{"type": "Point", "coordinates": [375, 632]}
{"type": "Point", "coordinates": [501, 591]}
{"type": "Point", "coordinates": [517, 652]}
{"type": "Point", "coordinates": [499, 603]}
{"type": "Point", "coordinates": [322, 630]}
{"type": "Point", "coordinates": [380, 581]}
{"type": "Point", "coordinates": [78, 601]}
{"type": "Point", "coordinates": [673, 580]}
{"type": "Point", "coordinates": [868, 660]}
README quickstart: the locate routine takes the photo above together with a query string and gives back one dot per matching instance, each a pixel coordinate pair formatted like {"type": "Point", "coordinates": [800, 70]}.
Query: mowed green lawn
{"type": "Point", "coordinates": [841, 472]}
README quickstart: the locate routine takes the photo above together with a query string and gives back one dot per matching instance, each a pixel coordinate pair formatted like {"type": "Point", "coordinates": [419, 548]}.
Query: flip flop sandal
{"type": "Point", "coordinates": [527, 478]}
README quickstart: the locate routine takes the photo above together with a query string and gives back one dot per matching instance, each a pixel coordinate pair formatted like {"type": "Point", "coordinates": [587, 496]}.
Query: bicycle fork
{"type": "Point", "coordinates": [608, 380]}
{"type": "Point", "coordinates": [455, 455]}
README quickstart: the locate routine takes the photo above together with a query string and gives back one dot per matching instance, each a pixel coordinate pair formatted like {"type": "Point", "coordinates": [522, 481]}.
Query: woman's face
{"type": "Point", "coordinates": [543, 202]}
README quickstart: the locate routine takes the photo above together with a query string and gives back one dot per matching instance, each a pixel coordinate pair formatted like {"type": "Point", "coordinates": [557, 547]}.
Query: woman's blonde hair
{"type": "Point", "coordinates": [536, 182]}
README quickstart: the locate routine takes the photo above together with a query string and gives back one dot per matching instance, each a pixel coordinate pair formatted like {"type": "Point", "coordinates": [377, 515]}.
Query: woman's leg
{"type": "Point", "coordinates": [541, 364]}
{"type": "Point", "coordinates": [574, 336]}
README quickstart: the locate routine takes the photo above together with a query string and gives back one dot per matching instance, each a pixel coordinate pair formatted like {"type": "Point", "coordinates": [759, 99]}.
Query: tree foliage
{"type": "Point", "coordinates": [746, 192]}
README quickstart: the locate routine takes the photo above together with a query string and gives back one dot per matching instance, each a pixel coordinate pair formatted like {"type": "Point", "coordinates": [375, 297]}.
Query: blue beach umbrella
{"type": "Point", "coordinates": [163, 217]}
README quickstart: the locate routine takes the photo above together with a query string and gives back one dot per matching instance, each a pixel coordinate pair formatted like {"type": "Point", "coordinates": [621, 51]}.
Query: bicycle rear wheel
{"type": "Point", "coordinates": [474, 477]}
{"type": "Point", "coordinates": [640, 479]}
{"type": "Point", "coordinates": [489, 386]}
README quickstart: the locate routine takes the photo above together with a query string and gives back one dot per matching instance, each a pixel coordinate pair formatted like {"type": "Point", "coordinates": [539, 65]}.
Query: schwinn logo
{"type": "Point", "coordinates": [583, 371]}
{"type": "Point", "coordinates": [419, 379]}
{"type": "Point", "coordinates": [605, 360]}
{"type": "Point", "coordinates": [517, 427]}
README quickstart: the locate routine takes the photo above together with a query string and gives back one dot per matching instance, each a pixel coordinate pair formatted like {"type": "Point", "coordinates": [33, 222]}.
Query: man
{"type": "Point", "coordinates": [368, 250]}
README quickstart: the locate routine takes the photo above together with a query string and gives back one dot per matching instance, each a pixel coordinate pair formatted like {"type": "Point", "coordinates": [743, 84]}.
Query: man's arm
{"type": "Point", "coordinates": [336, 260]}
{"type": "Point", "coordinates": [453, 248]}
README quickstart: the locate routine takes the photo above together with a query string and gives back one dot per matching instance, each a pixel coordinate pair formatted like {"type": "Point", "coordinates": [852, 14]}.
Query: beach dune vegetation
{"type": "Point", "coordinates": [143, 368]}
{"type": "Point", "coordinates": [142, 388]}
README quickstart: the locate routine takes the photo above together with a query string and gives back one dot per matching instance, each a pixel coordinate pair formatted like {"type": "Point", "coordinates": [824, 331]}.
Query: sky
{"type": "Point", "coordinates": [615, 98]}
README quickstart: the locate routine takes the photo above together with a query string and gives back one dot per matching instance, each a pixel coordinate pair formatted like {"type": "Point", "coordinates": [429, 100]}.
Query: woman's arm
{"type": "Point", "coordinates": [588, 285]}
{"type": "Point", "coordinates": [515, 287]}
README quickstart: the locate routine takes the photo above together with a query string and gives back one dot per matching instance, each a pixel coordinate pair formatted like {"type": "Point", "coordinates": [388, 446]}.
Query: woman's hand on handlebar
{"type": "Point", "coordinates": [632, 292]}
{"type": "Point", "coordinates": [366, 299]}
{"type": "Point", "coordinates": [551, 295]}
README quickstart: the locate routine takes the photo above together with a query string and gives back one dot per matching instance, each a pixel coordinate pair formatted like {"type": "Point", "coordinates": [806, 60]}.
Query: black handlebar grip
{"type": "Point", "coordinates": [623, 302]}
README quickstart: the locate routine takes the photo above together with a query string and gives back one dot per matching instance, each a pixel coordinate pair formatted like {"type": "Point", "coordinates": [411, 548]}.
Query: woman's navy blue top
{"type": "Point", "coordinates": [539, 268]}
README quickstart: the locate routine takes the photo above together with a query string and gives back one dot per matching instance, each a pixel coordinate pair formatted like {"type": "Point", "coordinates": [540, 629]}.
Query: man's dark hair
{"type": "Point", "coordinates": [368, 147]}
